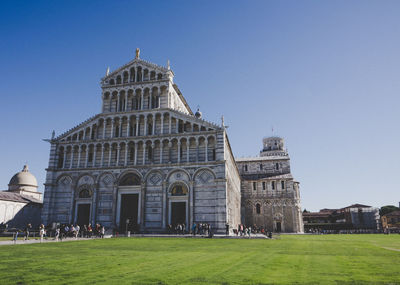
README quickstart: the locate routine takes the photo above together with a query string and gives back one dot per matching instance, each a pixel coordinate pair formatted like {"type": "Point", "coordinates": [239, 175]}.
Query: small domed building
{"type": "Point", "coordinates": [21, 203]}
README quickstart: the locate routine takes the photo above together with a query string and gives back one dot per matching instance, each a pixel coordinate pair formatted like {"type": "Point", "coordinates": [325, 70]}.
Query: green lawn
{"type": "Point", "coordinates": [329, 259]}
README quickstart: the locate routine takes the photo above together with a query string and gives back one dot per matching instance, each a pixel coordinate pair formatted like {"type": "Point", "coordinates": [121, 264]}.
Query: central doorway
{"type": "Point", "coordinates": [83, 214]}
{"type": "Point", "coordinates": [278, 227]}
{"type": "Point", "coordinates": [178, 213]}
{"type": "Point", "coordinates": [129, 213]}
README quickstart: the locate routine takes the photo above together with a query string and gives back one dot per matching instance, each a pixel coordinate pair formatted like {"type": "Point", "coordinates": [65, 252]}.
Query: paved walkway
{"type": "Point", "coordinates": [30, 241]}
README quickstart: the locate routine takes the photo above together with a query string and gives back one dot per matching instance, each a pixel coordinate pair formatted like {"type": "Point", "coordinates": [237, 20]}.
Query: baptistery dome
{"type": "Point", "coordinates": [23, 180]}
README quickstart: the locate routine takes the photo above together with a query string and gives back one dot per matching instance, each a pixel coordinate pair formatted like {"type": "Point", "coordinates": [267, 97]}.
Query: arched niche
{"type": "Point", "coordinates": [130, 179]}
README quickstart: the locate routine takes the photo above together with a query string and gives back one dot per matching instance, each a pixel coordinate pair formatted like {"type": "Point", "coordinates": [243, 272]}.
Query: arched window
{"type": "Point", "coordinates": [119, 79]}
{"type": "Point", "coordinates": [179, 190]}
{"type": "Point", "coordinates": [277, 166]}
{"type": "Point", "coordinates": [85, 193]}
{"type": "Point", "coordinates": [159, 76]}
{"type": "Point", "coordinates": [150, 153]}
{"type": "Point", "coordinates": [152, 75]}
{"type": "Point", "coordinates": [125, 77]}
{"type": "Point", "coordinates": [132, 71]}
{"type": "Point", "coordinates": [112, 82]}
{"type": "Point", "coordinates": [130, 180]}
{"type": "Point", "coordinates": [131, 154]}
{"type": "Point", "coordinates": [258, 208]}
{"type": "Point", "coordinates": [61, 158]}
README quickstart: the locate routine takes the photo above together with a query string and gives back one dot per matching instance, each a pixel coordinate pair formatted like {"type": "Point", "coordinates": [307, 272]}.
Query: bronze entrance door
{"type": "Point", "coordinates": [83, 214]}
{"type": "Point", "coordinates": [278, 227]}
{"type": "Point", "coordinates": [178, 213]}
{"type": "Point", "coordinates": [129, 213]}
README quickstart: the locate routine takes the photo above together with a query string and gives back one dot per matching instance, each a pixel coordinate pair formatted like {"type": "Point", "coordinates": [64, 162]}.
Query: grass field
{"type": "Point", "coordinates": [329, 259]}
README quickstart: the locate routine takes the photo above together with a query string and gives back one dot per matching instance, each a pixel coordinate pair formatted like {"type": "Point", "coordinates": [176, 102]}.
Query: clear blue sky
{"type": "Point", "coordinates": [325, 74]}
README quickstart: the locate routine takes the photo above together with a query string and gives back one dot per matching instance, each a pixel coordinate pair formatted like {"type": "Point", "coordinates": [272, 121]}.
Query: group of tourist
{"type": "Point", "coordinates": [75, 231]}
{"type": "Point", "coordinates": [349, 231]}
{"type": "Point", "coordinates": [62, 231]}
{"type": "Point", "coordinates": [196, 229]}
{"type": "Point", "coordinates": [178, 229]}
{"type": "Point", "coordinates": [201, 229]}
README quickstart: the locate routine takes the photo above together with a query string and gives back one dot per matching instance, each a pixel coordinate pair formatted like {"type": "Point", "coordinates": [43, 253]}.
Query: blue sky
{"type": "Point", "coordinates": [325, 74]}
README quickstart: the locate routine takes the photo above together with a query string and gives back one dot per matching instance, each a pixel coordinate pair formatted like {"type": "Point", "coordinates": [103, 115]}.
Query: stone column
{"type": "Point", "coordinates": [152, 152]}
{"type": "Point", "coordinates": [142, 101]}
{"type": "Point", "coordinates": [109, 155]}
{"type": "Point", "coordinates": [79, 156]}
{"type": "Point", "coordinates": [197, 149]}
{"type": "Point", "coordinates": [102, 155]}
{"type": "Point", "coordinates": [169, 151]}
{"type": "Point", "coordinates": [114, 205]}
{"type": "Point", "coordinates": [176, 125]}
{"type": "Point", "coordinates": [112, 127]}
{"type": "Point", "coordinates": [144, 153]}
{"type": "Point", "coordinates": [145, 126]}
{"type": "Point", "coordinates": [120, 127]}
{"type": "Point", "coordinates": [143, 197]}
{"type": "Point", "coordinates": [94, 156]}
{"type": "Point", "coordinates": [137, 126]}
{"type": "Point", "coordinates": [104, 129]}
{"type": "Point", "coordinates": [164, 205]}
{"type": "Point", "coordinates": [65, 157]}
{"type": "Point", "coordinates": [126, 101]}
{"type": "Point", "coordinates": [118, 102]}
{"type": "Point", "coordinates": [87, 154]}
{"type": "Point", "coordinates": [206, 149]}
{"type": "Point", "coordinates": [126, 154]}
{"type": "Point", "coordinates": [150, 100]}
{"type": "Point", "coordinates": [136, 146]}
{"type": "Point", "coordinates": [118, 151]}
{"type": "Point", "coordinates": [161, 152]}
{"type": "Point", "coordinates": [170, 124]}
{"type": "Point", "coordinates": [162, 123]}
{"type": "Point", "coordinates": [153, 132]}
{"type": "Point", "coordinates": [187, 149]}
{"type": "Point", "coordinates": [72, 157]}
{"type": "Point", "coordinates": [94, 203]}
{"type": "Point", "coordinates": [179, 151]}
{"type": "Point", "coordinates": [191, 204]}
{"type": "Point", "coordinates": [128, 126]}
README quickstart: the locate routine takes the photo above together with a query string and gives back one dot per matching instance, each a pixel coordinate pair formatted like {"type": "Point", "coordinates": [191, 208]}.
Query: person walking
{"type": "Point", "coordinates": [27, 229]}
{"type": "Point", "coordinates": [227, 229]}
{"type": "Point", "coordinates": [41, 232]}
{"type": "Point", "coordinates": [194, 229]}
{"type": "Point", "coordinates": [57, 233]}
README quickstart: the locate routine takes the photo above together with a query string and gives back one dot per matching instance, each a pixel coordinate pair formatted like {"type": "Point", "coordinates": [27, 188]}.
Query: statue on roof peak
{"type": "Point", "coordinates": [137, 53]}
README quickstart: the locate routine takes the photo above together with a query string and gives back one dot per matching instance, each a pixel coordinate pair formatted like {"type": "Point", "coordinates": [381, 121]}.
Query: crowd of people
{"type": "Point", "coordinates": [348, 231]}
{"type": "Point", "coordinates": [196, 229]}
{"type": "Point", "coordinates": [63, 231]}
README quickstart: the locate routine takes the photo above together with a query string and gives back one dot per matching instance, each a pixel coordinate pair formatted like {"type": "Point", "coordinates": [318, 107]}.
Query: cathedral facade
{"type": "Point", "coordinates": [144, 162]}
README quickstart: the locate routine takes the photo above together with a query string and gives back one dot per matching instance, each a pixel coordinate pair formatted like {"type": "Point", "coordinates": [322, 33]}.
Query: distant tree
{"type": "Point", "coordinates": [387, 209]}
{"type": "Point", "coordinates": [305, 211]}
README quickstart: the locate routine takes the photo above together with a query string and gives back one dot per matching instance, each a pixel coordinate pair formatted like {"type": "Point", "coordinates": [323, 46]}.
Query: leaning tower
{"type": "Point", "coordinates": [270, 195]}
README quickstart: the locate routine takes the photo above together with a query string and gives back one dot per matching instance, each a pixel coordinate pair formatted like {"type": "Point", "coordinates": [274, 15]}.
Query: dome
{"type": "Point", "coordinates": [198, 114]}
{"type": "Point", "coordinates": [23, 179]}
